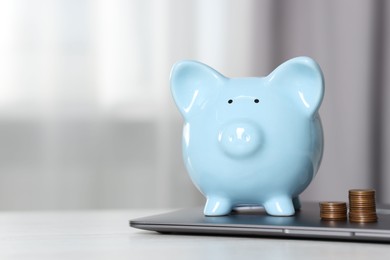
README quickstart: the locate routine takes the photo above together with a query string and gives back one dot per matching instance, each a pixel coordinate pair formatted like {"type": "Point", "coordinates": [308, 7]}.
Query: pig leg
{"type": "Point", "coordinates": [217, 206]}
{"type": "Point", "coordinates": [280, 206]}
{"type": "Point", "coordinates": [296, 203]}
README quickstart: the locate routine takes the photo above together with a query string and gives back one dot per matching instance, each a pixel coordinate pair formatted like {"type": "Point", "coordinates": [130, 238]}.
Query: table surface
{"type": "Point", "coordinates": [105, 234]}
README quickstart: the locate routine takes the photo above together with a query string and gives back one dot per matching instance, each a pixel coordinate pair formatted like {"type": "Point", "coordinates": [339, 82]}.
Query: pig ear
{"type": "Point", "coordinates": [300, 78]}
{"type": "Point", "coordinates": [193, 85]}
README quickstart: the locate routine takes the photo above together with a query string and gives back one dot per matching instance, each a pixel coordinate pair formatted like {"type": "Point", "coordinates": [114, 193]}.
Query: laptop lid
{"type": "Point", "coordinates": [253, 221]}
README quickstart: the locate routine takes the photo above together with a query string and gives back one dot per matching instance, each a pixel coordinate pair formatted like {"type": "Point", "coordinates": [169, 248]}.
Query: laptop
{"type": "Point", "coordinates": [253, 221]}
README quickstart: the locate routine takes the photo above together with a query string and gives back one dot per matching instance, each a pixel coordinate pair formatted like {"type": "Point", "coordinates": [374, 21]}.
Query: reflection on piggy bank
{"type": "Point", "coordinates": [251, 141]}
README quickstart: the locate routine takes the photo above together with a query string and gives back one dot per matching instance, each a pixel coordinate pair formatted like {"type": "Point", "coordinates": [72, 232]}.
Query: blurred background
{"type": "Point", "coordinates": [86, 116]}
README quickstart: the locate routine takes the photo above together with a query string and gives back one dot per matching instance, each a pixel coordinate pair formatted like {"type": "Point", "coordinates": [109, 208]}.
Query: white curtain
{"type": "Point", "coordinates": [86, 117]}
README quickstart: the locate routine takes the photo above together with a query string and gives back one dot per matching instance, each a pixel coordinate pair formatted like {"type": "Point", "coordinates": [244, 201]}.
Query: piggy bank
{"type": "Point", "coordinates": [251, 141]}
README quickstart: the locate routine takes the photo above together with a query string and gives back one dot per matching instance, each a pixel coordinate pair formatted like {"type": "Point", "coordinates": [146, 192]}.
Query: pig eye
{"type": "Point", "coordinates": [256, 101]}
{"type": "Point", "coordinates": [230, 101]}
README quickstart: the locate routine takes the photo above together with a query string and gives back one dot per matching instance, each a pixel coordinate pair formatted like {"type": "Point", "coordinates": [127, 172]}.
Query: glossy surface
{"type": "Point", "coordinates": [251, 140]}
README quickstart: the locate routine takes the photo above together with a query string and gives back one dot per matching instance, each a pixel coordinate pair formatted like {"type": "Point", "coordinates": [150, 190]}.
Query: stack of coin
{"type": "Point", "coordinates": [333, 210]}
{"type": "Point", "coordinates": [362, 206]}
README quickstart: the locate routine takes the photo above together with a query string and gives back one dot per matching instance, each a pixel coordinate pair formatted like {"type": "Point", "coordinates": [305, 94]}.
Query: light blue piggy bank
{"type": "Point", "coordinates": [251, 141]}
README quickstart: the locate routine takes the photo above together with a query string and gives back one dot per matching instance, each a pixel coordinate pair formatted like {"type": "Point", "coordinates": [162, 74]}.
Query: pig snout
{"type": "Point", "coordinates": [240, 139]}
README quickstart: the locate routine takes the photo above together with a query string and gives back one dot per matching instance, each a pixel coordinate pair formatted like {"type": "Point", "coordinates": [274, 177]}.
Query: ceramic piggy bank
{"type": "Point", "coordinates": [251, 141]}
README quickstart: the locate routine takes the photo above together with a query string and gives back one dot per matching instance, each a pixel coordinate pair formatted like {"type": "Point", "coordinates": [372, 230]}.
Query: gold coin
{"type": "Point", "coordinates": [363, 220]}
{"type": "Point", "coordinates": [335, 213]}
{"type": "Point", "coordinates": [332, 203]}
{"type": "Point", "coordinates": [334, 218]}
{"type": "Point", "coordinates": [362, 209]}
{"type": "Point", "coordinates": [359, 191]}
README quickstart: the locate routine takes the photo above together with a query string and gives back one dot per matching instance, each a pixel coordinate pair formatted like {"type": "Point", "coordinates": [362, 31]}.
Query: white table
{"type": "Point", "coordinates": [107, 235]}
